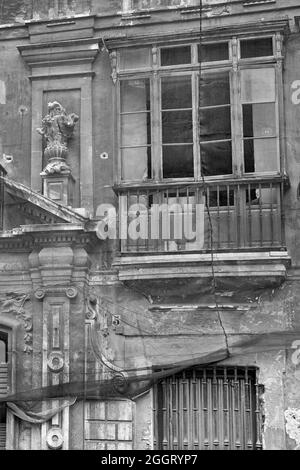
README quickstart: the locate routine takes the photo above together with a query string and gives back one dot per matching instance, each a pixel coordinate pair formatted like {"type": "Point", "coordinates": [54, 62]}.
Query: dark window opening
{"type": "Point", "coordinates": [215, 123]}
{"type": "Point", "coordinates": [3, 348]}
{"type": "Point", "coordinates": [175, 56]}
{"type": "Point", "coordinates": [213, 52]}
{"type": "Point", "coordinates": [221, 198]}
{"type": "Point", "coordinates": [262, 47]}
{"type": "Point", "coordinates": [216, 158]}
{"type": "Point", "coordinates": [177, 127]}
{"type": "Point", "coordinates": [214, 89]}
{"type": "Point", "coordinates": [178, 161]}
{"type": "Point", "coordinates": [176, 92]}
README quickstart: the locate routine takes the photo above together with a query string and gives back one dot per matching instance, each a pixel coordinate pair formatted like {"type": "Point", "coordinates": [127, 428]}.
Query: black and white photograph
{"type": "Point", "coordinates": [149, 221]}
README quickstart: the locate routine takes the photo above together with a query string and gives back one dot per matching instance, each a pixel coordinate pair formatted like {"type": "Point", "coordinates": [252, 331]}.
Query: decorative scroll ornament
{"type": "Point", "coordinates": [56, 362]}
{"type": "Point", "coordinates": [99, 319]}
{"type": "Point", "coordinates": [55, 439]}
{"type": "Point", "coordinates": [57, 129]}
{"type": "Point", "coordinates": [14, 304]}
{"type": "Point", "coordinates": [113, 62]}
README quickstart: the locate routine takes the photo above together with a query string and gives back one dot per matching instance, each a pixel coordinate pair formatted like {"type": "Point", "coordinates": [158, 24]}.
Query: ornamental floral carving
{"type": "Point", "coordinates": [57, 129]}
{"type": "Point", "coordinates": [14, 304]}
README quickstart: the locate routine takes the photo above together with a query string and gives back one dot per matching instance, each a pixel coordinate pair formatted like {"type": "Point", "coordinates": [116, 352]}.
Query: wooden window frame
{"type": "Point", "coordinates": [233, 65]}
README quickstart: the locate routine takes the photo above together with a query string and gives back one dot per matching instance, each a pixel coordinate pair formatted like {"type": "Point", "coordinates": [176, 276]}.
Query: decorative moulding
{"type": "Point", "coordinates": [60, 53]}
{"type": "Point", "coordinates": [55, 439]}
{"type": "Point", "coordinates": [55, 362]}
{"type": "Point", "coordinates": [70, 292]}
{"type": "Point", "coordinates": [193, 34]}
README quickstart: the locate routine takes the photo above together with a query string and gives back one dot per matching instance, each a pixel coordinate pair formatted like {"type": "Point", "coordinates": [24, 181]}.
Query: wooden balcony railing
{"type": "Point", "coordinates": [231, 215]}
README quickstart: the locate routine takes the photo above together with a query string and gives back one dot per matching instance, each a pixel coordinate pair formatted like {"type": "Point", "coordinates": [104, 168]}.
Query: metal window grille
{"type": "Point", "coordinates": [3, 391]}
{"type": "Point", "coordinates": [208, 409]}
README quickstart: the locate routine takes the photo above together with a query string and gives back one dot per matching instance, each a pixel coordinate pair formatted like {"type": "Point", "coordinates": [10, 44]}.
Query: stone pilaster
{"type": "Point", "coordinates": [59, 275]}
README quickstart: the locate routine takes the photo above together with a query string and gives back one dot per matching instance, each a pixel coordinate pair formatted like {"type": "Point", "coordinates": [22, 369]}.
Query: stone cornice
{"type": "Point", "coordinates": [60, 52]}
{"type": "Point", "coordinates": [56, 211]}
{"type": "Point", "coordinates": [28, 237]}
{"type": "Point", "coordinates": [133, 37]}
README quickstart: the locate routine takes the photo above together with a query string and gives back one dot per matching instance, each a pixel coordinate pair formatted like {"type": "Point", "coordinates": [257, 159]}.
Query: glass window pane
{"type": "Point", "coordinates": [178, 161]}
{"type": "Point", "coordinates": [176, 92]}
{"type": "Point", "coordinates": [136, 163]}
{"type": "Point", "coordinates": [215, 124]}
{"type": "Point", "coordinates": [177, 126]}
{"type": "Point", "coordinates": [135, 58]}
{"type": "Point", "coordinates": [213, 52]}
{"type": "Point", "coordinates": [256, 48]}
{"type": "Point", "coordinates": [135, 129]}
{"type": "Point", "coordinates": [260, 155]}
{"type": "Point", "coordinates": [216, 158]}
{"type": "Point", "coordinates": [259, 120]}
{"type": "Point", "coordinates": [175, 55]}
{"type": "Point", "coordinates": [214, 89]}
{"type": "Point", "coordinates": [258, 85]}
{"type": "Point", "coordinates": [135, 95]}
{"type": "Point", "coordinates": [2, 352]}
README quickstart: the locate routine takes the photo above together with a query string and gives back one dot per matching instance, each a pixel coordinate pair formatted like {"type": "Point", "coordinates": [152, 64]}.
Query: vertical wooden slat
{"type": "Point", "coordinates": [206, 409]}
{"type": "Point", "coordinates": [260, 216]}
{"type": "Point", "coordinates": [249, 216]}
{"type": "Point", "coordinates": [215, 414]}
{"type": "Point", "coordinates": [3, 392]}
{"type": "Point", "coordinates": [258, 416]}
{"type": "Point", "coordinates": [218, 215]}
{"type": "Point", "coordinates": [174, 399]}
{"type": "Point", "coordinates": [228, 217]}
{"type": "Point", "coordinates": [226, 440]}
{"type": "Point", "coordinates": [165, 442]}
{"type": "Point", "coordinates": [282, 214]}
{"type": "Point", "coordinates": [273, 238]}
{"type": "Point", "coordinates": [238, 215]}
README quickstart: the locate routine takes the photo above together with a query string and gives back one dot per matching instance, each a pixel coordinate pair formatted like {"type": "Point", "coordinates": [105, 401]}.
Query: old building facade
{"type": "Point", "coordinates": [150, 190]}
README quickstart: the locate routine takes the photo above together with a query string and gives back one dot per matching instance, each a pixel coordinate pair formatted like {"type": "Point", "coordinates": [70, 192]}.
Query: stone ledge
{"type": "Point", "coordinates": [268, 264]}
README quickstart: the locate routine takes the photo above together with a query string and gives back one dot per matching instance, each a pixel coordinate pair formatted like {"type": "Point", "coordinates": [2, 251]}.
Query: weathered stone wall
{"type": "Point", "coordinates": [19, 11]}
{"type": "Point", "coordinates": [147, 336]}
{"type": "Point", "coordinates": [15, 110]}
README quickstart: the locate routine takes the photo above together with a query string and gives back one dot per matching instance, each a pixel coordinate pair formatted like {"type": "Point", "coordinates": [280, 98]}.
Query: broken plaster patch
{"type": "Point", "coordinates": [292, 417]}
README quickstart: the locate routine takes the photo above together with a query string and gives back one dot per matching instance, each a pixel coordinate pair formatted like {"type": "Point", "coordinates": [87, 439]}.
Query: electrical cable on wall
{"type": "Point", "coordinates": [211, 233]}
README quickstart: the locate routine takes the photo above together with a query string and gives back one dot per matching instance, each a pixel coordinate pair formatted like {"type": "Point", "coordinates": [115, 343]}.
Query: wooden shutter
{"type": "Point", "coordinates": [3, 391]}
{"type": "Point", "coordinates": [208, 409]}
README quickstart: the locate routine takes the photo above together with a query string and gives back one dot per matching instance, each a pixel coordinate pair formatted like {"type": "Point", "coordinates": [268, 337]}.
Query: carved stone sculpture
{"type": "Point", "coordinates": [57, 129]}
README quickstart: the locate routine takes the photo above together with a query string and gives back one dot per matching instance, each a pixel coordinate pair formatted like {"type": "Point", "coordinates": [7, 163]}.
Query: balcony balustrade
{"type": "Point", "coordinates": [197, 217]}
